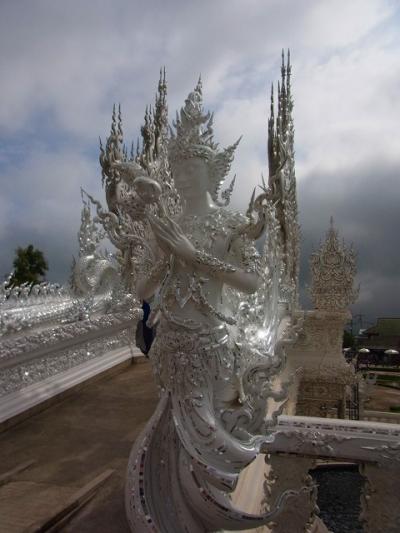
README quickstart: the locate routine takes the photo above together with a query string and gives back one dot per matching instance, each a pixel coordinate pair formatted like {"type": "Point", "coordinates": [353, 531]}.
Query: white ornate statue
{"type": "Point", "coordinates": [222, 308]}
{"type": "Point", "coordinates": [95, 271]}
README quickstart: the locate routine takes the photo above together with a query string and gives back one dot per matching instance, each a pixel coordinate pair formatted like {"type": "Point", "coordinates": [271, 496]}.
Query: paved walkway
{"type": "Point", "coordinates": [73, 442]}
{"type": "Point", "coordinates": [382, 398]}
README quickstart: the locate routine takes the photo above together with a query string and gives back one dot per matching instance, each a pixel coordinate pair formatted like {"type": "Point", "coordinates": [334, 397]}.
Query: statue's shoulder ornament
{"type": "Point", "coordinates": [242, 244]}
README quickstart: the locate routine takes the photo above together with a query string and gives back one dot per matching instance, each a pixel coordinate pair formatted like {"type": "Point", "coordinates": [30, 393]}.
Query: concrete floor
{"type": "Point", "coordinates": [382, 398]}
{"type": "Point", "coordinates": [73, 442]}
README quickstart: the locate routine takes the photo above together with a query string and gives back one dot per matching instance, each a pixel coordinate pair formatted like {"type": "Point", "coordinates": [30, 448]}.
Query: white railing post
{"type": "Point", "coordinates": [291, 472]}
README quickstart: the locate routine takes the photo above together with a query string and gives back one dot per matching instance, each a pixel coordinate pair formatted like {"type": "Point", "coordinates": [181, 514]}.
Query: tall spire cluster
{"type": "Point", "coordinates": [147, 151]}
{"type": "Point", "coordinates": [280, 128]}
{"type": "Point", "coordinates": [282, 178]}
{"type": "Point", "coordinates": [155, 125]}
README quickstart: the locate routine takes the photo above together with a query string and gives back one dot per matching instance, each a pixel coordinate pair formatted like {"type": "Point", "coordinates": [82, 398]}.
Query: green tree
{"type": "Point", "coordinates": [348, 339]}
{"type": "Point", "coordinates": [30, 266]}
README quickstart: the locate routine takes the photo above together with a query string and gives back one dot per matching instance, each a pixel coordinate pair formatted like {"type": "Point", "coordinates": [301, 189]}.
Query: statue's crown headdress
{"type": "Point", "coordinates": [194, 137]}
{"type": "Point", "coordinates": [194, 132]}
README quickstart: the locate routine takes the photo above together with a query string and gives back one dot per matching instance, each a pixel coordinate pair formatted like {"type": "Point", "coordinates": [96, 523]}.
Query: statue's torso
{"type": "Point", "coordinates": [213, 234]}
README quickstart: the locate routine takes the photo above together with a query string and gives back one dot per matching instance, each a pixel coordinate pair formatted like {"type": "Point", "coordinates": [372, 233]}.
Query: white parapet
{"type": "Point", "coordinates": [17, 402]}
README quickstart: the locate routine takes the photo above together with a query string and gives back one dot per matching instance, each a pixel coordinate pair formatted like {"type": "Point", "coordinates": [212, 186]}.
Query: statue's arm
{"type": "Point", "coordinates": [242, 273]}
{"type": "Point", "coordinates": [232, 273]}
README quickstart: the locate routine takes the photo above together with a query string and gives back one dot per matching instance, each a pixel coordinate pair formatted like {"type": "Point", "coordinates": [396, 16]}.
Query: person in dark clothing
{"type": "Point", "coordinates": [144, 334]}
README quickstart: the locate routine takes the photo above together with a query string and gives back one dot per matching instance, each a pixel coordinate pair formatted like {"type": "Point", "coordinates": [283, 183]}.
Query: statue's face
{"type": "Point", "coordinates": [191, 176]}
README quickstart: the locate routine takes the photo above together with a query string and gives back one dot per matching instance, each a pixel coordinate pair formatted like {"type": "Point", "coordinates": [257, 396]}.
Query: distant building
{"type": "Point", "coordinates": [384, 336]}
{"type": "Point", "coordinates": [327, 386]}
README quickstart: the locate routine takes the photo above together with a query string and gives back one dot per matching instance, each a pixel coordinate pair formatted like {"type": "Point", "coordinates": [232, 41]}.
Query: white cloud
{"type": "Point", "coordinates": [64, 64]}
{"type": "Point", "coordinates": [42, 199]}
{"type": "Point", "coordinates": [341, 23]}
{"type": "Point", "coordinates": [345, 113]}
{"type": "Point", "coordinates": [71, 60]}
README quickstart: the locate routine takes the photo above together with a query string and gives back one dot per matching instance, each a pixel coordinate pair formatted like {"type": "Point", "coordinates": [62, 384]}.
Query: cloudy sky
{"type": "Point", "coordinates": [63, 64]}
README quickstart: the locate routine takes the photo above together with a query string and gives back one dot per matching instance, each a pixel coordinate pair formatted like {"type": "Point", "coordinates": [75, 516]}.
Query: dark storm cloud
{"type": "Point", "coordinates": [364, 203]}
{"type": "Point", "coordinates": [64, 64]}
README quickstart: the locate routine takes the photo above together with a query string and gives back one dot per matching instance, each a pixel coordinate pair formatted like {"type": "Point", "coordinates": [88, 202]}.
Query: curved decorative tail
{"type": "Point", "coordinates": [168, 491]}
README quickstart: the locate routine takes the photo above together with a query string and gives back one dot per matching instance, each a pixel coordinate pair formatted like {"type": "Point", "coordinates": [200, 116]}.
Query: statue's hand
{"type": "Point", "coordinates": [169, 235]}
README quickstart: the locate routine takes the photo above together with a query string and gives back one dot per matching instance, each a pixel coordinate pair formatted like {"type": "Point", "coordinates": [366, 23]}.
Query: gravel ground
{"type": "Point", "coordinates": [339, 497]}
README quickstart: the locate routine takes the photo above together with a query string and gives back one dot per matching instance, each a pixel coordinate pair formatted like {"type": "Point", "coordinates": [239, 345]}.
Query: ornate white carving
{"type": "Point", "coordinates": [291, 472]}
{"type": "Point", "coordinates": [333, 269]}
{"type": "Point", "coordinates": [223, 313]}
{"type": "Point", "coordinates": [326, 377]}
{"type": "Point", "coordinates": [375, 445]}
{"type": "Point", "coordinates": [341, 439]}
{"type": "Point", "coordinates": [34, 371]}
{"type": "Point", "coordinates": [46, 329]}
{"type": "Point", "coordinates": [39, 341]}
{"type": "Point", "coordinates": [35, 356]}
{"type": "Point", "coordinates": [133, 182]}
{"type": "Point", "coordinates": [95, 287]}
{"type": "Point", "coordinates": [22, 400]}
{"type": "Point", "coordinates": [28, 305]}
{"type": "Point", "coordinates": [282, 178]}
{"type": "Point", "coordinates": [95, 271]}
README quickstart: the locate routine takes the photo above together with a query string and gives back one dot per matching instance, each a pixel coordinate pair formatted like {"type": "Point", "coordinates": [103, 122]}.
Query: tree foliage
{"type": "Point", "coordinates": [30, 266]}
{"type": "Point", "coordinates": [348, 339]}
